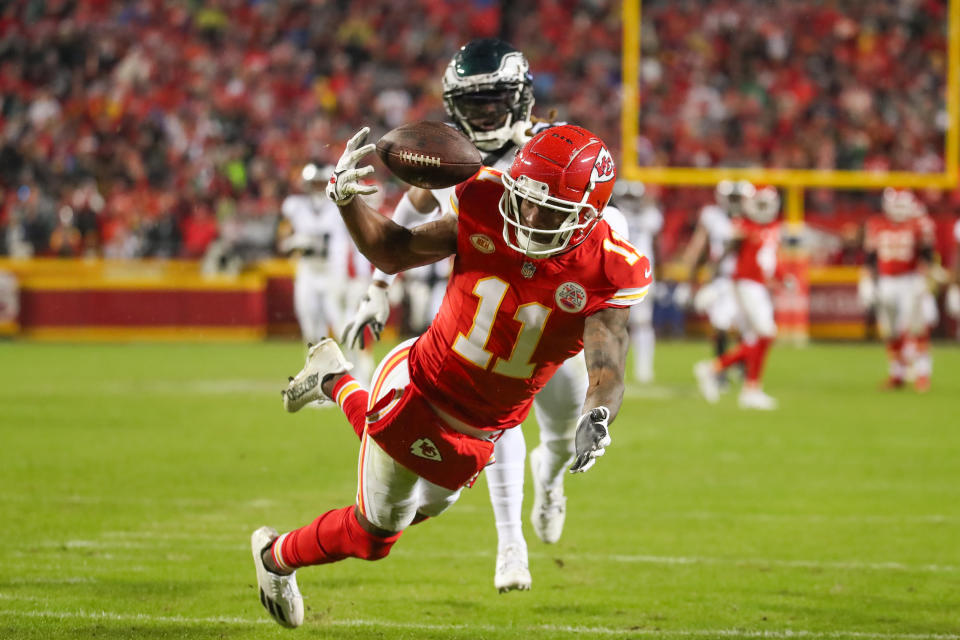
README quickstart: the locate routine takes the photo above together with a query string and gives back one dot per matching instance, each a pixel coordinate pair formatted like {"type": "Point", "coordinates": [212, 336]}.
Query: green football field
{"type": "Point", "coordinates": [132, 476]}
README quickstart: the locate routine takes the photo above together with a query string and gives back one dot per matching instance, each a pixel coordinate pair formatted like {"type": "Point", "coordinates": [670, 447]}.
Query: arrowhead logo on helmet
{"type": "Point", "coordinates": [566, 169]}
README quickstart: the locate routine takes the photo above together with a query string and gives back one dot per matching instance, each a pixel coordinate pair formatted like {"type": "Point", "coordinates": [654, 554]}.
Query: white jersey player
{"type": "Point", "coordinates": [488, 93]}
{"type": "Point", "coordinates": [712, 236]}
{"type": "Point", "coordinates": [952, 302]}
{"type": "Point", "coordinates": [311, 230]}
{"type": "Point", "coordinates": [644, 221]}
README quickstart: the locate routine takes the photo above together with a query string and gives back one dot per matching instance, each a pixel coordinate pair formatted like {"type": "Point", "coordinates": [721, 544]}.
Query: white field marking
{"type": "Point", "coordinates": [42, 580]}
{"type": "Point", "coordinates": [176, 387]}
{"type": "Point", "coordinates": [655, 392]}
{"type": "Point", "coordinates": [707, 560]}
{"type": "Point", "coordinates": [856, 565]}
{"type": "Point", "coordinates": [266, 503]}
{"type": "Point", "coordinates": [569, 630]}
{"type": "Point", "coordinates": [866, 518]}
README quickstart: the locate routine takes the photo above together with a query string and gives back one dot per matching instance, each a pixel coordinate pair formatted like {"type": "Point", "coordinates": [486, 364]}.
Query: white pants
{"type": "Point", "coordinates": [317, 301]}
{"type": "Point", "coordinates": [558, 405]}
{"type": "Point", "coordinates": [900, 308]}
{"type": "Point", "coordinates": [754, 311]}
{"type": "Point", "coordinates": [718, 301]}
{"type": "Point", "coordinates": [390, 495]}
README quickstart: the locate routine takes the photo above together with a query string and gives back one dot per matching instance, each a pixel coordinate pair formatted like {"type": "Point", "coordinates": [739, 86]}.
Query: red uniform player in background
{"type": "Point", "coordinates": [756, 239]}
{"type": "Point", "coordinates": [899, 248]}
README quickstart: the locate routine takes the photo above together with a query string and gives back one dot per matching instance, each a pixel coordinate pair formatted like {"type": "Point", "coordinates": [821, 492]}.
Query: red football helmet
{"type": "Point", "coordinates": [565, 169]}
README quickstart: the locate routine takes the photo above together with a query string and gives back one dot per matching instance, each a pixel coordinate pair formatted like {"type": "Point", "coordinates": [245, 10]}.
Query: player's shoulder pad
{"type": "Point", "coordinates": [625, 268]}
{"type": "Point", "coordinates": [543, 125]}
{"type": "Point", "coordinates": [484, 179]}
{"type": "Point", "coordinates": [289, 205]}
{"type": "Point", "coordinates": [616, 219]}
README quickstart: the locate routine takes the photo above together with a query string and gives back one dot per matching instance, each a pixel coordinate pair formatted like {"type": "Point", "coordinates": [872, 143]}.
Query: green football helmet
{"type": "Point", "coordinates": [488, 91]}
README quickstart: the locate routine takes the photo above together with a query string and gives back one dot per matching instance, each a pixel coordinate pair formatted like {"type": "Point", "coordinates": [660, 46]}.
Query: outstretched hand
{"type": "Point", "coordinates": [345, 182]}
{"type": "Point", "coordinates": [592, 438]}
{"type": "Point", "coordinates": [373, 312]}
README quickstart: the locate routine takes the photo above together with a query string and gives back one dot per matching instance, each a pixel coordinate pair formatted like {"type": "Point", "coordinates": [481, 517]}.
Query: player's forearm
{"type": "Point", "coordinates": [605, 389]}
{"type": "Point", "coordinates": [381, 240]}
{"type": "Point", "coordinates": [605, 344]}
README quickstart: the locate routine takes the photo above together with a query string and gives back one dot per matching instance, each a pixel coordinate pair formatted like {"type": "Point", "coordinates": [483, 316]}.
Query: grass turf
{"type": "Point", "coordinates": [133, 475]}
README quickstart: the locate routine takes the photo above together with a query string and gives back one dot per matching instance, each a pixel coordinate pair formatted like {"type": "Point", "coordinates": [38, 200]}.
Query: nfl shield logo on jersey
{"type": "Point", "coordinates": [571, 297]}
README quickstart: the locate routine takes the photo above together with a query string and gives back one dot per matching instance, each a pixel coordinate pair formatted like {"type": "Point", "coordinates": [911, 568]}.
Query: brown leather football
{"type": "Point", "coordinates": [430, 155]}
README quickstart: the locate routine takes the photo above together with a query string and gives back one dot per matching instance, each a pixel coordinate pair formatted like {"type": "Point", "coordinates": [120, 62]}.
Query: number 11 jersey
{"type": "Point", "coordinates": [507, 321]}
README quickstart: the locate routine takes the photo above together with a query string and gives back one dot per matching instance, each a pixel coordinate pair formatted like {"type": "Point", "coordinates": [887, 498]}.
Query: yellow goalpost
{"type": "Point", "coordinates": [794, 180]}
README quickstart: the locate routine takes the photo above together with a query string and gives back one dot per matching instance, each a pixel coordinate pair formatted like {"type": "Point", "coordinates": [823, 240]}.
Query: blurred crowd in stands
{"type": "Point", "coordinates": [153, 128]}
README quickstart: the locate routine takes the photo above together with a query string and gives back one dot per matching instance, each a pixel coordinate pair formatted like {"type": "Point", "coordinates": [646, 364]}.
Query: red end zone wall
{"type": "Point", "coordinates": [172, 300]}
{"type": "Point", "coordinates": [149, 300]}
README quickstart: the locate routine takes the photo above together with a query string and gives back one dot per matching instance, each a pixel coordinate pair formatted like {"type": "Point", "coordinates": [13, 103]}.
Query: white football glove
{"type": "Point", "coordinates": [952, 300]}
{"type": "Point", "coordinates": [373, 312]}
{"type": "Point", "coordinates": [867, 292]}
{"type": "Point", "coordinates": [345, 182]}
{"type": "Point", "coordinates": [592, 438]}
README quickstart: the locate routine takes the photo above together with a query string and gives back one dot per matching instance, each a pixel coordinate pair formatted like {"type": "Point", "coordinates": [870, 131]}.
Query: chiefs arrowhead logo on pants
{"type": "Point", "coordinates": [424, 448]}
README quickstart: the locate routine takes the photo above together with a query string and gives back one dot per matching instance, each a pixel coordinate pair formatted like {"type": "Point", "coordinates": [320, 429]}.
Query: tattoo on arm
{"type": "Point", "coordinates": [605, 344]}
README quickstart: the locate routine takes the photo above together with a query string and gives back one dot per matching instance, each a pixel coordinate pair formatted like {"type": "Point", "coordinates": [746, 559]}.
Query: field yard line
{"type": "Point", "coordinates": [689, 633]}
{"type": "Point", "coordinates": [649, 559]}
{"type": "Point", "coordinates": [591, 557]}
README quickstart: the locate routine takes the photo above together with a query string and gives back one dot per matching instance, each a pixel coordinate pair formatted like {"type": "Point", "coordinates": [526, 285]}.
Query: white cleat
{"type": "Point", "coordinates": [323, 359]}
{"type": "Point", "coordinates": [549, 505]}
{"type": "Point", "coordinates": [756, 399]}
{"type": "Point", "coordinates": [707, 381]}
{"type": "Point", "coordinates": [279, 595]}
{"type": "Point", "coordinates": [513, 573]}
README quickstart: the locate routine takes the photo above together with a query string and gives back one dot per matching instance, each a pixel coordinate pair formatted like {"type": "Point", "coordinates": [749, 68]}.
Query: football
{"type": "Point", "coordinates": [429, 155]}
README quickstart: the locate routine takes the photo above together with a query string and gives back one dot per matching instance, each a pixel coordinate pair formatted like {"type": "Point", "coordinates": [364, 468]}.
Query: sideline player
{"type": "Point", "coordinates": [488, 93]}
{"type": "Point", "coordinates": [644, 222]}
{"type": "Point", "coordinates": [756, 238]}
{"type": "Point", "coordinates": [899, 250]}
{"type": "Point", "coordinates": [709, 242]}
{"type": "Point", "coordinates": [952, 298]}
{"type": "Point", "coordinates": [310, 230]}
{"type": "Point", "coordinates": [537, 276]}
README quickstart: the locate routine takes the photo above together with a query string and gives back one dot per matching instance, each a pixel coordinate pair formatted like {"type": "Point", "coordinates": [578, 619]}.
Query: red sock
{"type": "Point", "coordinates": [330, 538]}
{"type": "Point", "coordinates": [895, 355]}
{"type": "Point", "coordinates": [756, 359]}
{"type": "Point", "coordinates": [734, 356]}
{"type": "Point", "coordinates": [352, 399]}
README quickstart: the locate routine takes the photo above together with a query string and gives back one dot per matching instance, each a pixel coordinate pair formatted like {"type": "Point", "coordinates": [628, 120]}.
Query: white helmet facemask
{"type": "Point", "coordinates": [531, 241]}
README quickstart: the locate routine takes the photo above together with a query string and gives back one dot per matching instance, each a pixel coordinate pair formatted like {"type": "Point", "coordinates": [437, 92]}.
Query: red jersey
{"type": "Point", "coordinates": [757, 257]}
{"type": "Point", "coordinates": [898, 244]}
{"type": "Point", "coordinates": [507, 321]}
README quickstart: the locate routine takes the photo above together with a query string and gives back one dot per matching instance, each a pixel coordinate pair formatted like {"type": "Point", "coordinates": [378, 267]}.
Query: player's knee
{"type": "Point", "coordinates": [374, 548]}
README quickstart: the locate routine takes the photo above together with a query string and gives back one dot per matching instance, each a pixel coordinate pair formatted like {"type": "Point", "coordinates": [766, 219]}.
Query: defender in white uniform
{"type": "Point", "coordinates": [329, 267]}
{"type": "Point", "coordinates": [644, 221]}
{"type": "Point", "coordinates": [712, 236]}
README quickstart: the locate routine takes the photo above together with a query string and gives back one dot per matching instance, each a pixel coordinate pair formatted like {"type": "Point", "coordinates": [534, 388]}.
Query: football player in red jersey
{"type": "Point", "coordinates": [537, 276]}
{"type": "Point", "coordinates": [756, 238]}
{"type": "Point", "coordinates": [899, 248]}
{"type": "Point", "coordinates": [487, 90]}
